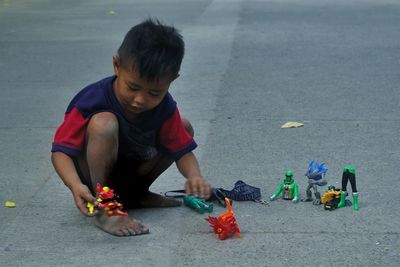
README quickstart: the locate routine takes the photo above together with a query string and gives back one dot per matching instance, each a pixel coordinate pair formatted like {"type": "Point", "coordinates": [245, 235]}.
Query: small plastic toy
{"type": "Point", "coordinates": [90, 207]}
{"type": "Point", "coordinates": [109, 201]}
{"type": "Point", "coordinates": [288, 188]}
{"type": "Point", "coordinates": [225, 225]}
{"type": "Point", "coordinates": [315, 173]}
{"type": "Point", "coordinates": [349, 173]}
{"type": "Point", "coordinates": [331, 198]}
{"type": "Point", "coordinates": [197, 204]}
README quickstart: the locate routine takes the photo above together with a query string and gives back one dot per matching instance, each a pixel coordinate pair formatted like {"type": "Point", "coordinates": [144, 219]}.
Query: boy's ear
{"type": "Point", "coordinates": [116, 64]}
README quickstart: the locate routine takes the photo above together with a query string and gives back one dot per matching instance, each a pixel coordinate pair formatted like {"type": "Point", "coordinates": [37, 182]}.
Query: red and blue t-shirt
{"type": "Point", "coordinates": [157, 130]}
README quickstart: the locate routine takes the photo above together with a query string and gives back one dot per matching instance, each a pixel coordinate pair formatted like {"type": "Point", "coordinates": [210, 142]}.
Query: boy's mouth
{"type": "Point", "coordinates": [135, 109]}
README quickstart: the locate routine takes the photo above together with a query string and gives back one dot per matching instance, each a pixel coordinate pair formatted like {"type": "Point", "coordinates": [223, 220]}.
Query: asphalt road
{"type": "Point", "coordinates": [250, 66]}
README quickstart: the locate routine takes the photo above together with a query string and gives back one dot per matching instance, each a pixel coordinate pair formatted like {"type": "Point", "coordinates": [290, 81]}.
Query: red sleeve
{"type": "Point", "coordinates": [70, 136]}
{"type": "Point", "coordinates": [174, 137]}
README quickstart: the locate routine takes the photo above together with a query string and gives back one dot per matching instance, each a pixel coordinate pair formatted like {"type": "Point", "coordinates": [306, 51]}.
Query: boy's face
{"type": "Point", "coordinates": [137, 95]}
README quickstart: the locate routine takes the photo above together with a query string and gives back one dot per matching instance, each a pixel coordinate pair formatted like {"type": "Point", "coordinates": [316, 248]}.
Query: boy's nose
{"type": "Point", "coordinates": [139, 99]}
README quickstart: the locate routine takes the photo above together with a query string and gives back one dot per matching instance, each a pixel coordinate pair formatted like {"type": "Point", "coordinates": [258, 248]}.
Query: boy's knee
{"type": "Point", "coordinates": [188, 126]}
{"type": "Point", "coordinates": [104, 123]}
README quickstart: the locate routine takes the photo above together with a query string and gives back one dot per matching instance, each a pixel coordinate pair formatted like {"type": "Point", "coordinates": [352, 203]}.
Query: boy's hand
{"type": "Point", "coordinates": [82, 196]}
{"type": "Point", "coordinates": [198, 187]}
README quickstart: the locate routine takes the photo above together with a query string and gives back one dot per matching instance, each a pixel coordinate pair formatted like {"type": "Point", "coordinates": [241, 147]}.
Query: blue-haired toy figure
{"type": "Point", "coordinates": [316, 177]}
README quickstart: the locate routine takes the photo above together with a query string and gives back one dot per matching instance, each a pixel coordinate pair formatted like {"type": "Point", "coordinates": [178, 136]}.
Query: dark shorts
{"type": "Point", "coordinates": [123, 180]}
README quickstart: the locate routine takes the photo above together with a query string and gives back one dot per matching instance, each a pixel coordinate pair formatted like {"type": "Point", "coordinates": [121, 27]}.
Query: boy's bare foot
{"type": "Point", "coordinates": [120, 225]}
{"type": "Point", "coordinates": [153, 200]}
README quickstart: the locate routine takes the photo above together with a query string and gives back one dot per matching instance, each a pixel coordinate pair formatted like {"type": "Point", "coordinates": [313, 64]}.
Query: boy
{"type": "Point", "coordinates": [125, 130]}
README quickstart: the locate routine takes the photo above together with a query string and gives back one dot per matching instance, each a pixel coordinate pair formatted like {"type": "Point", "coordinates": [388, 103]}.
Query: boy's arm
{"type": "Point", "coordinates": [195, 183]}
{"type": "Point", "coordinates": [65, 168]}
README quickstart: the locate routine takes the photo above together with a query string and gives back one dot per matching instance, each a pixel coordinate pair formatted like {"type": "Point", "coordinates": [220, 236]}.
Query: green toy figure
{"type": "Point", "coordinates": [288, 188]}
{"type": "Point", "coordinates": [197, 204]}
{"type": "Point", "coordinates": [349, 173]}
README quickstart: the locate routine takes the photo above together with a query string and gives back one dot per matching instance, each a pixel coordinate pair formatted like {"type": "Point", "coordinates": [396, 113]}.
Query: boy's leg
{"type": "Point", "coordinates": [97, 164]}
{"type": "Point", "coordinates": [142, 175]}
{"type": "Point", "coordinates": [101, 161]}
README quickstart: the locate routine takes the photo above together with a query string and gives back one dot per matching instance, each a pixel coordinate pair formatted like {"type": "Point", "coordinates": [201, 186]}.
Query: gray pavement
{"type": "Point", "coordinates": [250, 66]}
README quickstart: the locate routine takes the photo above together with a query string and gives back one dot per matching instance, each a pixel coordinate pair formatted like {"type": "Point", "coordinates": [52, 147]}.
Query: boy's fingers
{"type": "Point", "coordinates": [201, 191]}
{"type": "Point", "coordinates": [195, 188]}
{"type": "Point", "coordinates": [187, 188]}
{"type": "Point", "coordinates": [83, 204]}
{"type": "Point", "coordinates": [83, 209]}
{"type": "Point", "coordinates": [89, 198]}
{"type": "Point", "coordinates": [198, 187]}
{"type": "Point", "coordinates": [92, 199]}
{"type": "Point", "coordinates": [190, 187]}
{"type": "Point", "coordinates": [207, 191]}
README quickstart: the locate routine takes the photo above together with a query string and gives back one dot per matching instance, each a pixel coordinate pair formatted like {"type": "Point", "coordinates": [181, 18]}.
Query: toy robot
{"type": "Point", "coordinates": [331, 198]}
{"type": "Point", "coordinates": [288, 188]}
{"type": "Point", "coordinates": [349, 173]}
{"type": "Point", "coordinates": [108, 201]}
{"type": "Point", "coordinates": [225, 225]}
{"type": "Point", "coordinates": [315, 173]}
{"type": "Point", "coordinates": [197, 204]}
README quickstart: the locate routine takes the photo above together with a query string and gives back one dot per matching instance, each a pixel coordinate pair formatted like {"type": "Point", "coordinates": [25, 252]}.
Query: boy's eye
{"type": "Point", "coordinates": [154, 93]}
{"type": "Point", "coordinates": [133, 88]}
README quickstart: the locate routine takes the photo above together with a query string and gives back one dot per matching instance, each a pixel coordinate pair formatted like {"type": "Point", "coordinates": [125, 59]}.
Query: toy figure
{"type": "Point", "coordinates": [315, 173]}
{"type": "Point", "coordinates": [349, 173]}
{"type": "Point", "coordinates": [288, 188]}
{"type": "Point", "coordinates": [331, 198]}
{"type": "Point", "coordinates": [197, 204]}
{"type": "Point", "coordinates": [108, 201]}
{"type": "Point", "coordinates": [225, 225]}
{"type": "Point", "coordinates": [90, 207]}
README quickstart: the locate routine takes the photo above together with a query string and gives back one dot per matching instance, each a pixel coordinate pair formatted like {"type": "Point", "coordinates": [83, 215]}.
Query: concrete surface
{"type": "Point", "coordinates": [250, 66]}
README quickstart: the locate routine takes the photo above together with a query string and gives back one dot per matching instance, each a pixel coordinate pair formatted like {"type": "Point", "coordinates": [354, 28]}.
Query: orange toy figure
{"type": "Point", "coordinates": [108, 201]}
{"type": "Point", "coordinates": [225, 225]}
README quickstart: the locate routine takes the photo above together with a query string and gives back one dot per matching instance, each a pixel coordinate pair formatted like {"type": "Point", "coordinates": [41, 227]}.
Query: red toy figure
{"type": "Point", "coordinates": [225, 225]}
{"type": "Point", "coordinates": [108, 201]}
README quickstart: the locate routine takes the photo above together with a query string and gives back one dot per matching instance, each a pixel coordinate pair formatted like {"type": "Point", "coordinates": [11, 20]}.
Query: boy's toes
{"type": "Point", "coordinates": [131, 231]}
{"type": "Point", "coordinates": [144, 230]}
{"type": "Point", "coordinates": [120, 226]}
{"type": "Point", "coordinates": [125, 232]}
{"type": "Point", "coordinates": [136, 228]}
{"type": "Point", "coordinates": [140, 230]}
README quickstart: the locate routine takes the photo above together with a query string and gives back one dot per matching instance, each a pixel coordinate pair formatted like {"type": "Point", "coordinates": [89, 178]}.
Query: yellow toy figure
{"type": "Point", "coordinates": [90, 207]}
{"type": "Point", "coordinates": [331, 198]}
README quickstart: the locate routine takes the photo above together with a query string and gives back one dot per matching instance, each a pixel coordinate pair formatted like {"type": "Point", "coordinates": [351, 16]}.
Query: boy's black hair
{"type": "Point", "coordinates": [152, 49]}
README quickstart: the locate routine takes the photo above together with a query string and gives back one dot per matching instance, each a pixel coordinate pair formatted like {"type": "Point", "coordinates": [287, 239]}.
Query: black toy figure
{"type": "Point", "coordinates": [349, 173]}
